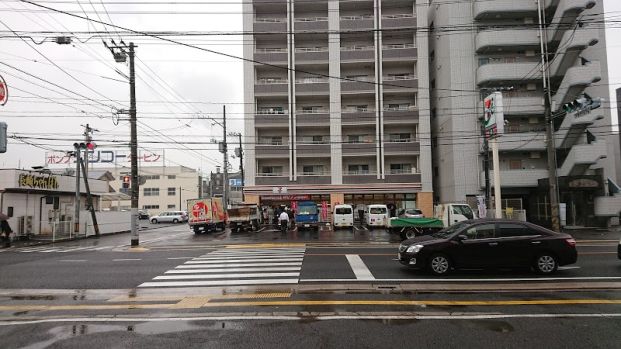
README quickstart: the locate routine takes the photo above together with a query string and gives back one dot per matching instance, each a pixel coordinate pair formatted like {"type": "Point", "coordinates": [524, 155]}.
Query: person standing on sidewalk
{"type": "Point", "coordinates": [5, 229]}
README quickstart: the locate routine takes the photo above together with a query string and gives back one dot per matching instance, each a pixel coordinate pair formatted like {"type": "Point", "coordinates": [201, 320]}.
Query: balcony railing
{"type": "Point", "coordinates": [271, 50]}
{"type": "Point", "coordinates": [270, 20]}
{"type": "Point", "coordinates": [398, 46]}
{"type": "Point", "coordinates": [356, 17]}
{"type": "Point", "coordinates": [357, 173]}
{"type": "Point", "coordinates": [311, 49]}
{"type": "Point", "coordinates": [403, 171]}
{"type": "Point", "coordinates": [313, 111]}
{"type": "Point", "coordinates": [271, 112]}
{"type": "Point", "coordinates": [361, 110]}
{"type": "Point", "coordinates": [399, 77]}
{"type": "Point", "coordinates": [315, 173]}
{"type": "Point", "coordinates": [317, 80]}
{"type": "Point", "coordinates": [262, 81]}
{"type": "Point", "coordinates": [401, 108]}
{"type": "Point", "coordinates": [312, 19]}
{"type": "Point", "coordinates": [272, 174]}
{"type": "Point", "coordinates": [399, 15]}
{"type": "Point", "coordinates": [358, 48]}
{"type": "Point", "coordinates": [503, 60]}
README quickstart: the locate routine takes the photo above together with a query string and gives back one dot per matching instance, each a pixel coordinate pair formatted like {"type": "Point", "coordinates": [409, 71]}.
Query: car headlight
{"type": "Point", "coordinates": [414, 248]}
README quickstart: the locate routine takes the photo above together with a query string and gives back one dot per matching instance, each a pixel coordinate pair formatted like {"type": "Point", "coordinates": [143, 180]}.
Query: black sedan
{"type": "Point", "coordinates": [485, 243]}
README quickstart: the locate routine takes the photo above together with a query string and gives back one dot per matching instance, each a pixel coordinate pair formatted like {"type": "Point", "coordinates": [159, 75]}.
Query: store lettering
{"type": "Point", "coordinates": [38, 182]}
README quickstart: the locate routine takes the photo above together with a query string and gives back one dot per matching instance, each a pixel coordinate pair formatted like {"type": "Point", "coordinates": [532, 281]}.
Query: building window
{"type": "Point", "coordinates": [515, 164]}
{"type": "Point", "coordinates": [151, 191]}
{"type": "Point", "coordinates": [172, 191]}
{"type": "Point", "coordinates": [172, 176]}
{"type": "Point", "coordinates": [172, 206]}
{"type": "Point", "coordinates": [358, 169]}
{"type": "Point", "coordinates": [150, 207]}
{"type": "Point", "coordinates": [271, 171]}
{"type": "Point", "coordinates": [310, 170]}
{"type": "Point", "coordinates": [147, 177]}
{"type": "Point", "coordinates": [399, 137]}
{"type": "Point", "coordinates": [400, 168]}
{"type": "Point", "coordinates": [271, 140]}
{"type": "Point", "coordinates": [271, 110]}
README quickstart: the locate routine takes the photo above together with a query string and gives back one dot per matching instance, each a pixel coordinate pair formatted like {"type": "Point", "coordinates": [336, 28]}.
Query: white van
{"type": "Point", "coordinates": [377, 216]}
{"type": "Point", "coordinates": [343, 216]}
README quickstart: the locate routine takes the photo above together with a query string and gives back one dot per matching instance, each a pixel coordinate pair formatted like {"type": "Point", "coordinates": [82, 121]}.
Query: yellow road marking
{"type": "Point", "coordinates": [137, 249]}
{"type": "Point", "coordinates": [201, 302]}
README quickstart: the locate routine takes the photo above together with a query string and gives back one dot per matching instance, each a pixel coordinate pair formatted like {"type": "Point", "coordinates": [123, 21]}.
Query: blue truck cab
{"type": "Point", "coordinates": [307, 215]}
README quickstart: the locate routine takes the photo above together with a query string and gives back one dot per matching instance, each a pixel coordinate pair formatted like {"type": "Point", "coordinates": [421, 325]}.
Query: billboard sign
{"type": "Point", "coordinates": [107, 157]}
{"type": "Point", "coordinates": [494, 117]}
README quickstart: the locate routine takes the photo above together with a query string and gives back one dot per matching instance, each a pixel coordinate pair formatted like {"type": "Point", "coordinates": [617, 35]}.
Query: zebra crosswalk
{"type": "Point", "coordinates": [236, 267]}
{"type": "Point", "coordinates": [58, 249]}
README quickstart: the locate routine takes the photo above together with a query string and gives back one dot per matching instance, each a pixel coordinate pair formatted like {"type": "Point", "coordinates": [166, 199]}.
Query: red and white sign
{"type": "Point", "coordinates": [4, 92]}
{"type": "Point", "coordinates": [199, 212]}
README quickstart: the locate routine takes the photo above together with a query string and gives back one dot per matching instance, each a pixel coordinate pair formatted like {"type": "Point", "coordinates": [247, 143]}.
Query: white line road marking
{"type": "Point", "coordinates": [102, 248]}
{"type": "Point", "coordinates": [72, 260]}
{"type": "Point", "coordinates": [360, 269]}
{"type": "Point", "coordinates": [227, 276]}
{"type": "Point", "coordinates": [232, 252]}
{"type": "Point", "coordinates": [126, 259]}
{"type": "Point", "coordinates": [247, 260]}
{"type": "Point", "coordinates": [228, 270]}
{"type": "Point", "coordinates": [108, 318]}
{"type": "Point", "coordinates": [48, 251]}
{"type": "Point", "coordinates": [219, 283]}
{"type": "Point", "coordinates": [76, 249]}
{"type": "Point", "coordinates": [365, 228]}
{"type": "Point", "coordinates": [224, 265]}
{"type": "Point", "coordinates": [260, 230]}
{"type": "Point", "coordinates": [180, 257]}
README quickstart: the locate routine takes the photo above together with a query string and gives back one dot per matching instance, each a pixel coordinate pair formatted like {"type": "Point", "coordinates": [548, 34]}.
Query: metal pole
{"type": "Point", "coordinates": [551, 147]}
{"type": "Point", "coordinates": [76, 214]}
{"type": "Point", "coordinates": [180, 209]}
{"type": "Point", "coordinates": [89, 201]}
{"type": "Point", "coordinates": [496, 161]}
{"type": "Point", "coordinates": [486, 167]}
{"type": "Point", "coordinates": [133, 148]}
{"type": "Point", "coordinates": [241, 164]}
{"type": "Point", "coordinates": [225, 179]}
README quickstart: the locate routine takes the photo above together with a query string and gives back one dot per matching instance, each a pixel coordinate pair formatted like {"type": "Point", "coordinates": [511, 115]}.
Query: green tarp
{"type": "Point", "coordinates": [417, 222]}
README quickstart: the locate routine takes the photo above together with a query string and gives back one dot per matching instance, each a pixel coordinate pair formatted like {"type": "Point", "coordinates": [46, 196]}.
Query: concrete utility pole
{"type": "Point", "coordinates": [241, 160]}
{"type": "Point", "coordinates": [225, 175]}
{"type": "Point", "coordinates": [120, 56]}
{"type": "Point", "coordinates": [551, 147]}
{"type": "Point", "coordinates": [76, 214]}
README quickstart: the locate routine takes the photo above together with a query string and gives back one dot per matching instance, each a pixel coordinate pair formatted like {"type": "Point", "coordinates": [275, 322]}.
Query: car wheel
{"type": "Point", "coordinates": [175, 221]}
{"type": "Point", "coordinates": [439, 264]}
{"type": "Point", "coordinates": [154, 221]}
{"type": "Point", "coordinates": [546, 263]}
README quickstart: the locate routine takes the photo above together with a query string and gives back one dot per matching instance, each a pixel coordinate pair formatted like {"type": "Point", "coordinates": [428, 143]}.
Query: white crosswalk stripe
{"type": "Point", "coordinates": [236, 267]}
{"type": "Point", "coordinates": [60, 249]}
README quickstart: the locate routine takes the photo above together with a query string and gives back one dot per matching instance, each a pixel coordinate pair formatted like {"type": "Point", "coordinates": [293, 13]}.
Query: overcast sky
{"type": "Point", "coordinates": [168, 76]}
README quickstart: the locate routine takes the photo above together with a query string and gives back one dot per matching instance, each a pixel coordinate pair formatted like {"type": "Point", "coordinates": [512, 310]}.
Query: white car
{"type": "Point", "coordinates": [170, 217]}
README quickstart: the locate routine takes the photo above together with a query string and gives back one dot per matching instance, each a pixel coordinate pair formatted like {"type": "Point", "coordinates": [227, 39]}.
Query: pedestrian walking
{"type": "Point", "coordinates": [5, 229]}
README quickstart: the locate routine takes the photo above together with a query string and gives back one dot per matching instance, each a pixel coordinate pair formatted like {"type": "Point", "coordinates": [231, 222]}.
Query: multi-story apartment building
{"type": "Point", "coordinates": [163, 188]}
{"type": "Point", "coordinates": [480, 46]}
{"type": "Point", "coordinates": [337, 102]}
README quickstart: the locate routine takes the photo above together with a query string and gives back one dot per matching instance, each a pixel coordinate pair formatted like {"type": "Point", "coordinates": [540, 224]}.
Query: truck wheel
{"type": "Point", "coordinates": [197, 230]}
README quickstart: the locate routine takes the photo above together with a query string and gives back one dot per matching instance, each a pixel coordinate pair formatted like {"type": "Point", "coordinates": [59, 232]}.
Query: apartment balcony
{"type": "Point", "coordinates": [311, 54]}
{"type": "Point", "coordinates": [361, 85]}
{"type": "Point", "coordinates": [407, 115]}
{"type": "Point", "coordinates": [581, 157]}
{"type": "Point", "coordinates": [358, 54]}
{"type": "Point", "coordinates": [359, 149]}
{"type": "Point", "coordinates": [571, 46]}
{"type": "Point", "coordinates": [608, 206]}
{"type": "Point", "coordinates": [495, 39]}
{"type": "Point", "coordinates": [313, 150]}
{"type": "Point", "coordinates": [516, 178]}
{"type": "Point", "coordinates": [400, 52]}
{"type": "Point", "coordinates": [271, 120]}
{"type": "Point", "coordinates": [318, 85]}
{"type": "Point", "coordinates": [310, 24]}
{"type": "Point", "coordinates": [270, 25]}
{"type": "Point", "coordinates": [399, 82]}
{"type": "Point", "coordinates": [267, 87]}
{"type": "Point", "coordinates": [271, 55]}
{"type": "Point", "coordinates": [271, 179]}
{"type": "Point", "coordinates": [319, 118]}
{"type": "Point", "coordinates": [269, 2]}
{"type": "Point", "coordinates": [575, 81]}
{"type": "Point", "coordinates": [500, 9]}
{"type": "Point", "coordinates": [402, 178]}
{"type": "Point", "coordinates": [401, 148]}
{"type": "Point", "coordinates": [573, 127]}
{"type": "Point", "coordinates": [360, 177]}
{"type": "Point", "coordinates": [313, 178]}
{"type": "Point", "coordinates": [565, 16]}
{"type": "Point", "coordinates": [357, 22]}
{"type": "Point", "coordinates": [397, 21]}
{"type": "Point", "coordinates": [355, 117]}
{"type": "Point", "coordinates": [508, 71]}
{"type": "Point", "coordinates": [271, 151]}
{"type": "Point", "coordinates": [523, 104]}
{"type": "Point", "coordinates": [523, 141]}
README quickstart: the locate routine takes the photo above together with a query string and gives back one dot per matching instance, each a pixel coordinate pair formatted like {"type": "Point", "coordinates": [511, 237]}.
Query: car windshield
{"type": "Point", "coordinates": [464, 210]}
{"type": "Point", "coordinates": [445, 233]}
{"type": "Point", "coordinates": [307, 210]}
{"type": "Point", "coordinates": [343, 210]}
{"type": "Point", "coordinates": [377, 210]}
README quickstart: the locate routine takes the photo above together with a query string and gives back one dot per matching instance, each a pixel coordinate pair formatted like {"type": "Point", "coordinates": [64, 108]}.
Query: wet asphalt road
{"type": "Point", "coordinates": [97, 303]}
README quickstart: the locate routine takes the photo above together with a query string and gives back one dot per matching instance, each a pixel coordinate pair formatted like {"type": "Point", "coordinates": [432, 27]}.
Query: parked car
{"type": "Point", "coordinates": [376, 216]}
{"type": "Point", "coordinates": [170, 217]}
{"type": "Point", "coordinates": [411, 213]}
{"type": "Point", "coordinates": [143, 215]}
{"type": "Point", "coordinates": [484, 243]}
{"type": "Point", "coordinates": [343, 216]}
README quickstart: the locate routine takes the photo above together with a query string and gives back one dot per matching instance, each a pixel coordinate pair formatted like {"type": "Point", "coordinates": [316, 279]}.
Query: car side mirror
{"type": "Point", "coordinates": [462, 237]}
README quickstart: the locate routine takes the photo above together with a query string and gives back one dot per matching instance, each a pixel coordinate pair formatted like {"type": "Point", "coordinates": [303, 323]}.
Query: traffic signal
{"type": "Point", "coordinates": [87, 145]}
{"type": "Point", "coordinates": [3, 137]}
{"type": "Point", "coordinates": [126, 181]}
{"type": "Point", "coordinates": [583, 103]}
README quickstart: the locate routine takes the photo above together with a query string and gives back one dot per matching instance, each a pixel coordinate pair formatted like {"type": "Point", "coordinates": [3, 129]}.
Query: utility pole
{"type": "Point", "coordinates": [76, 214]}
{"type": "Point", "coordinates": [486, 166]}
{"type": "Point", "coordinates": [551, 147]}
{"type": "Point", "coordinates": [241, 160]}
{"type": "Point", "coordinates": [225, 174]}
{"type": "Point", "coordinates": [120, 56]}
